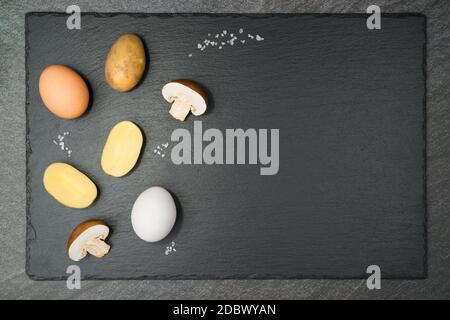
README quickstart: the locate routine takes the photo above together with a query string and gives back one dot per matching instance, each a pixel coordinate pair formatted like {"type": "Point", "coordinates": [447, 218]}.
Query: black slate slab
{"type": "Point", "coordinates": [349, 104]}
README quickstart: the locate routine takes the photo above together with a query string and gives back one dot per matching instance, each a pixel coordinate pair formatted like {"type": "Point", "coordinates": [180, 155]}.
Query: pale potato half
{"type": "Point", "coordinates": [122, 149]}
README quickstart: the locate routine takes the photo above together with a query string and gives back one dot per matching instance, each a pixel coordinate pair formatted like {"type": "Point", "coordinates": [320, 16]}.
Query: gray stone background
{"type": "Point", "coordinates": [14, 283]}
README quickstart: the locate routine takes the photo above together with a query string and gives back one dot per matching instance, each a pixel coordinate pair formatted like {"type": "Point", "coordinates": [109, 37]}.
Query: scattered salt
{"type": "Point", "coordinates": [234, 36]}
{"type": "Point", "coordinates": [61, 144]}
{"type": "Point", "coordinates": [170, 248]}
{"type": "Point", "coordinates": [160, 149]}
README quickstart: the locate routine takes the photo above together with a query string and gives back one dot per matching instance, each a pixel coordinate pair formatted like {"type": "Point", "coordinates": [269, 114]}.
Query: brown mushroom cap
{"type": "Point", "coordinates": [82, 227]}
{"type": "Point", "coordinates": [194, 86]}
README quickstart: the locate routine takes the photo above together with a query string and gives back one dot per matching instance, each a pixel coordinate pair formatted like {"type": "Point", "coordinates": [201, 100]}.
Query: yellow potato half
{"type": "Point", "coordinates": [125, 63]}
{"type": "Point", "coordinates": [69, 186]}
{"type": "Point", "coordinates": [122, 149]}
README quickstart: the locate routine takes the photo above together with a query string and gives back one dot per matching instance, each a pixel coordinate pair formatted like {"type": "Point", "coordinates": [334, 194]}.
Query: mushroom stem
{"type": "Point", "coordinates": [97, 247]}
{"type": "Point", "coordinates": [180, 109]}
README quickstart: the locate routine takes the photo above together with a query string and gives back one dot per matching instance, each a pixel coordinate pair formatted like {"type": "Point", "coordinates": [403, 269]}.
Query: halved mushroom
{"type": "Point", "coordinates": [89, 237]}
{"type": "Point", "coordinates": [186, 96]}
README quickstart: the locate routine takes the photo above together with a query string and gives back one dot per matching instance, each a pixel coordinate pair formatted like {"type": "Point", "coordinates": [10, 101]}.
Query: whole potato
{"type": "Point", "coordinates": [125, 63]}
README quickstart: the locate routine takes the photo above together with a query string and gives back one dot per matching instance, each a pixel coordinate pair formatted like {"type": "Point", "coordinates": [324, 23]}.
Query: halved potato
{"type": "Point", "coordinates": [69, 186]}
{"type": "Point", "coordinates": [122, 149]}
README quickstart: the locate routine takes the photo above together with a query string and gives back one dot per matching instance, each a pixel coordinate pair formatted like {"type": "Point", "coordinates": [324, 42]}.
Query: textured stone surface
{"type": "Point", "coordinates": [14, 284]}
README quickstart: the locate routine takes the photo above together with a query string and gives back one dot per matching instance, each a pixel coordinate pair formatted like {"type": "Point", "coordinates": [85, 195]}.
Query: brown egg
{"type": "Point", "coordinates": [63, 91]}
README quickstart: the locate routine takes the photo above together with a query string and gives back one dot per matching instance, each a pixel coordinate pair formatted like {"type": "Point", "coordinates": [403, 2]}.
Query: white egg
{"type": "Point", "coordinates": [153, 215]}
